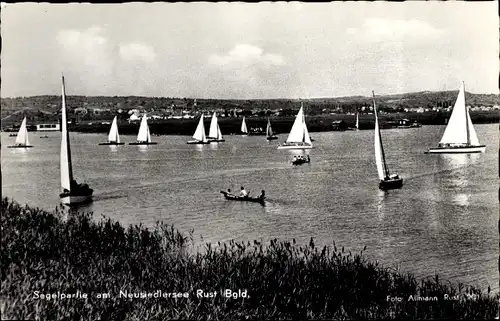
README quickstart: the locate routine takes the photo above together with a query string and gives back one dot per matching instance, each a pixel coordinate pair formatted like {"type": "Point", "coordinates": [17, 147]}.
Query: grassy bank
{"type": "Point", "coordinates": [280, 124]}
{"type": "Point", "coordinates": [50, 253]}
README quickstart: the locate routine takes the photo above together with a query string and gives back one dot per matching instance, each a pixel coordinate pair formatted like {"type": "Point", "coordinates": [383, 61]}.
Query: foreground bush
{"type": "Point", "coordinates": [49, 253]}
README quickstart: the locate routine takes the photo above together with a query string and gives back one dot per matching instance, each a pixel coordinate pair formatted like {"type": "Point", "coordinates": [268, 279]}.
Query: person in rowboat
{"type": "Point", "coordinates": [243, 192]}
{"type": "Point", "coordinates": [262, 195]}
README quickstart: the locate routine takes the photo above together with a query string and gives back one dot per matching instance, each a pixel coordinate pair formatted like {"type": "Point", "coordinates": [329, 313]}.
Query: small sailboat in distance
{"type": "Point", "coordinates": [113, 136]}
{"type": "Point", "coordinates": [269, 131]}
{"type": "Point", "coordinates": [299, 135]}
{"type": "Point", "coordinates": [199, 134]}
{"type": "Point", "coordinates": [73, 193]}
{"type": "Point", "coordinates": [387, 181]}
{"type": "Point", "coordinates": [357, 121]}
{"type": "Point", "coordinates": [144, 136]}
{"type": "Point", "coordinates": [214, 133]}
{"type": "Point", "coordinates": [459, 135]}
{"type": "Point", "coordinates": [244, 130]}
{"type": "Point", "coordinates": [22, 140]}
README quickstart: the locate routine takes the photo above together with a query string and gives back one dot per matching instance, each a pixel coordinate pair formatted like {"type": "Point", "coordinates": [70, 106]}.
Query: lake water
{"type": "Point", "coordinates": [444, 220]}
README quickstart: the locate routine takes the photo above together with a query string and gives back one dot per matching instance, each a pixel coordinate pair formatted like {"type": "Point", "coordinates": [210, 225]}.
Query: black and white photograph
{"type": "Point", "coordinates": [244, 161]}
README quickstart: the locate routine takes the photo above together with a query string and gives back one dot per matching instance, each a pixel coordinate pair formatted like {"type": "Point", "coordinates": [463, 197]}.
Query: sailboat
{"type": "Point", "coordinates": [73, 193]}
{"type": "Point", "coordinates": [144, 136]}
{"type": "Point", "coordinates": [356, 126]}
{"type": "Point", "coordinates": [387, 180]}
{"type": "Point", "coordinates": [199, 134]}
{"type": "Point", "coordinates": [113, 136]}
{"type": "Point", "coordinates": [22, 140]}
{"type": "Point", "coordinates": [269, 131]}
{"type": "Point", "coordinates": [459, 135]}
{"type": "Point", "coordinates": [299, 135]}
{"type": "Point", "coordinates": [244, 130]}
{"type": "Point", "coordinates": [214, 134]}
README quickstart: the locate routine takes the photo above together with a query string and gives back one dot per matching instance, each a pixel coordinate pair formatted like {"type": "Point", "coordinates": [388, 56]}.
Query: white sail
{"type": "Point", "coordinates": [144, 135]}
{"type": "Point", "coordinates": [214, 127]}
{"type": "Point", "coordinates": [269, 130]}
{"type": "Point", "coordinates": [456, 130]}
{"type": "Point", "coordinates": [219, 134]}
{"type": "Point", "coordinates": [307, 139]}
{"type": "Point", "coordinates": [66, 170]}
{"type": "Point", "coordinates": [113, 135]}
{"type": "Point", "coordinates": [472, 132]}
{"type": "Point", "coordinates": [297, 133]}
{"type": "Point", "coordinates": [199, 134]}
{"type": "Point", "coordinates": [244, 126]}
{"type": "Point", "coordinates": [357, 120]}
{"type": "Point", "coordinates": [22, 135]}
{"type": "Point", "coordinates": [379, 148]}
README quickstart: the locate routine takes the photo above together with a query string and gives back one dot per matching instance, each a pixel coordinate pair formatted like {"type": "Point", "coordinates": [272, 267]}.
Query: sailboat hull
{"type": "Point", "coordinates": [390, 184]}
{"type": "Point", "coordinates": [20, 146]}
{"type": "Point", "coordinates": [295, 147]}
{"type": "Point", "coordinates": [143, 143]}
{"type": "Point", "coordinates": [214, 140]}
{"type": "Point", "coordinates": [76, 199]}
{"type": "Point", "coordinates": [457, 150]}
{"type": "Point", "coordinates": [271, 137]}
{"type": "Point", "coordinates": [111, 143]}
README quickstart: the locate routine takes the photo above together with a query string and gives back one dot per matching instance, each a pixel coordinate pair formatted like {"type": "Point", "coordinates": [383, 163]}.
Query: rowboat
{"type": "Point", "coordinates": [243, 199]}
{"type": "Point", "coordinates": [300, 161]}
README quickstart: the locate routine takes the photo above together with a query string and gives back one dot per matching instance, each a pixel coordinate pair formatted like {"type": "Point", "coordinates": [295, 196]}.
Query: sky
{"type": "Point", "coordinates": [249, 50]}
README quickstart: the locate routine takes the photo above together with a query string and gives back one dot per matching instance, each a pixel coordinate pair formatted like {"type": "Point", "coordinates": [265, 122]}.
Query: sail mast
{"type": "Point", "coordinates": [380, 137]}
{"type": "Point", "coordinates": [466, 118]}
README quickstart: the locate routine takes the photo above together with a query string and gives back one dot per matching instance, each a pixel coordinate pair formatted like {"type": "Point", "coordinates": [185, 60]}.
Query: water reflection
{"type": "Point", "coordinates": [381, 198]}
{"type": "Point", "coordinates": [461, 199]}
{"type": "Point", "coordinates": [113, 148]}
{"type": "Point", "coordinates": [214, 146]}
{"type": "Point", "coordinates": [458, 164]}
{"type": "Point", "coordinates": [298, 152]}
{"type": "Point", "coordinates": [458, 178]}
{"type": "Point", "coordinates": [143, 148]}
{"type": "Point", "coordinates": [22, 153]}
{"type": "Point", "coordinates": [458, 160]}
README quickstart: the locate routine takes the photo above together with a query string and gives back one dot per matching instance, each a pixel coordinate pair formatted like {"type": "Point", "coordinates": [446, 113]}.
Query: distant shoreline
{"type": "Point", "coordinates": [280, 124]}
